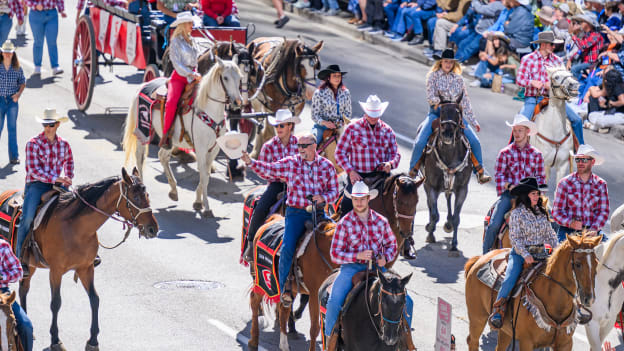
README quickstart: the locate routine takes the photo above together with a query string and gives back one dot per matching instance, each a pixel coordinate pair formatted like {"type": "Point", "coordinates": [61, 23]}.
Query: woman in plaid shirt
{"type": "Point", "coordinates": [43, 18]}
{"type": "Point", "coordinates": [12, 84]}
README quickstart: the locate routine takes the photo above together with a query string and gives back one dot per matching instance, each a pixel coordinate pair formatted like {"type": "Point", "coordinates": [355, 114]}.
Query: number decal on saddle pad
{"type": "Point", "coordinates": [266, 261]}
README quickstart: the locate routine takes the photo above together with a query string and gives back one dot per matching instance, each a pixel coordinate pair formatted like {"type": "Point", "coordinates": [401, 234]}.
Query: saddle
{"type": "Point", "coordinates": [492, 273]}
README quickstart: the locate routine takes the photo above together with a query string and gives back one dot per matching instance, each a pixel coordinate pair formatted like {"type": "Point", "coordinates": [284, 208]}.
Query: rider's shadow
{"type": "Point", "coordinates": [173, 223]}
{"type": "Point", "coordinates": [8, 170]}
{"type": "Point", "coordinates": [434, 260]}
{"type": "Point", "coordinates": [489, 341]}
{"type": "Point", "coordinates": [108, 126]}
{"type": "Point", "coordinates": [269, 335]}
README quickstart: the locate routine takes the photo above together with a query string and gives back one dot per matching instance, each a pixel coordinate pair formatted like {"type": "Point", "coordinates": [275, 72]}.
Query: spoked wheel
{"type": "Point", "coordinates": [151, 72]}
{"type": "Point", "coordinates": [84, 63]}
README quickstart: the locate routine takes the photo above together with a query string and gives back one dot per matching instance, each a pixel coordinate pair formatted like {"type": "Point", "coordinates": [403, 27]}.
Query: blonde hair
{"type": "Point", "coordinates": [179, 30]}
{"type": "Point", "coordinates": [438, 66]}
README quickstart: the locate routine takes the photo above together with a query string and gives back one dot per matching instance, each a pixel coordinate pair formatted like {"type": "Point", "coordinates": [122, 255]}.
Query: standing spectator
{"type": "Point", "coordinates": [12, 84]}
{"type": "Point", "coordinates": [219, 13]}
{"type": "Point", "coordinates": [20, 29]}
{"type": "Point", "coordinates": [445, 23]}
{"type": "Point", "coordinates": [359, 16]}
{"type": "Point", "coordinates": [589, 45]}
{"type": "Point", "coordinates": [331, 102]}
{"type": "Point", "coordinates": [8, 9]}
{"type": "Point", "coordinates": [43, 18]}
{"type": "Point", "coordinates": [488, 13]}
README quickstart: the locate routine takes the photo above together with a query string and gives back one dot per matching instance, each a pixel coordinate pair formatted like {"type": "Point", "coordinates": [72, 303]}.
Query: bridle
{"type": "Point", "coordinates": [6, 309]}
{"type": "Point", "coordinates": [561, 86]}
{"type": "Point", "coordinates": [382, 320]}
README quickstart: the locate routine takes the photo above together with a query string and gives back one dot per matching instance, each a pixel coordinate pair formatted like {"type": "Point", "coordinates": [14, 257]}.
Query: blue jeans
{"type": "Point", "coordinates": [229, 21]}
{"type": "Point", "coordinates": [431, 22]}
{"type": "Point", "coordinates": [318, 131]}
{"type": "Point", "coordinates": [514, 268]}
{"type": "Point", "coordinates": [414, 18]}
{"type": "Point", "coordinates": [562, 232]}
{"type": "Point", "coordinates": [330, 4]}
{"type": "Point", "coordinates": [342, 287]}
{"type": "Point", "coordinates": [577, 69]}
{"type": "Point", "coordinates": [6, 23]}
{"type": "Point", "coordinates": [24, 325]}
{"type": "Point", "coordinates": [294, 227]}
{"type": "Point", "coordinates": [425, 132]}
{"type": "Point", "coordinates": [9, 108]}
{"type": "Point", "coordinates": [391, 10]}
{"type": "Point", "coordinates": [468, 47]}
{"type": "Point", "coordinates": [44, 26]}
{"type": "Point", "coordinates": [501, 207]}
{"type": "Point", "coordinates": [577, 123]}
{"type": "Point", "coordinates": [460, 34]}
{"type": "Point", "coordinates": [32, 199]}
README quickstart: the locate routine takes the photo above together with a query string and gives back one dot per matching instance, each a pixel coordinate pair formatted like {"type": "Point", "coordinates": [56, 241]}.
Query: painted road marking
{"type": "Point", "coordinates": [232, 333]}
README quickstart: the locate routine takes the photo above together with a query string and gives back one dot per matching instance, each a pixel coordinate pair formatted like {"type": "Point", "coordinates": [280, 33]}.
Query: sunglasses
{"type": "Point", "coordinates": [49, 124]}
{"type": "Point", "coordinates": [280, 126]}
{"type": "Point", "coordinates": [303, 146]}
{"type": "Point", "coordinates": [583, 159]}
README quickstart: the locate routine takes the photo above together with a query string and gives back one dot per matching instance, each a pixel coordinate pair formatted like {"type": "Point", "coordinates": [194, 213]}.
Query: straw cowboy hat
{"type": "Point", "coordinates": [360, 189]}
{"type": "Point", "coordinates": [447, 54]}
{"type": "Point", "coordinates": [587, 18]}
{"type": "Point", "coordinates": [522, 120]}
{"type": "Point", "coordinates": [547, 36]}
{"type": "Point", "coordinates": [373, 107]}
{"type": "Point", "coordinates": [186, 17]}
{"type": "Point", "coordinates": [8, 47]}
{"type": "Point", "coordinates": [589, 151]}
{"type": "Point", "coordinates": [325, 73]}
{"type": "Point", "coordinates": [283, 116]}
{"type": "Point", "coordinates": [233, 143]}
{"type": "Point", "coordinates": [546, 15]}
{"type": "Point", "coordinates": [527, 185]}
{"type": "Point", "coordinates": [51, 116]}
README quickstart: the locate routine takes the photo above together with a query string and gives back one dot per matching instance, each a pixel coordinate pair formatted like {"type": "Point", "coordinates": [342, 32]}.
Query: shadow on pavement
{"type": "Point", "coordinates": [8, 170]}
{"type": "Point", "coordinates": [434, 260]}
{"type": "Point", "coordinates": [99, 126]}
{"type": "Point", "coordinates": [269, 339]}
{"type": "Point", "coordinates": [35, 81]}
{"type": "Point", "coordinates": [136, 78]}
{"type": "Point", "coordinates": [173, 222]}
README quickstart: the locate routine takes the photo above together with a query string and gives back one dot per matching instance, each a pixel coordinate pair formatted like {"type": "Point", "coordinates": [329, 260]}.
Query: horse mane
{"type": "Point", "coordinates": [552, 69]}
{"type": "Point", "coordinates": [209, 80]}
{"type": "Point", "coordinates": [222, 49]}
{"type": "Point", "coordinates": [564, 249]}
{"type": "Point", "coordinates": [286, 58]}
{"type": "Point", "coordinates": [611, 244]}
{"type": "Point", "coordinates": [409, 188]}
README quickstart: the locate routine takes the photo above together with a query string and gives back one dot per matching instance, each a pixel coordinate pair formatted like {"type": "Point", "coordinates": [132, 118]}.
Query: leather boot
{"type": "Point", "coordinates": [417, 40]}
{"type": "Point", "coordinates": [409, 35]}
{"type": "Point", "coordinates": [248, 254]}
{"type": "Point", "coordinates": [481, 175]}
{"type": "Point", "coordinates": [286, 298]}
{"type": "Point", "coordinates": [498, 313]}
{"type": "Point", "coordinates": [332, 343]}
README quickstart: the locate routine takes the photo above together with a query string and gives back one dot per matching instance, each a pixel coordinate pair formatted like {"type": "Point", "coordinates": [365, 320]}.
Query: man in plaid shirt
{"type": "Point", "coordinates": [581, 199]}
{"type": "Point", "coordinates": [361, 236]}
{"type": "Point", "coordinates": [516, 161]}
{"type": "Point", "coordinates": [533, 77]}
{"type": "Point", "coordinates": [307, 176]}
{"type": "Point", "coordinates": [47, 157]}
{"type": "Point", "coordinates": [589, 46]}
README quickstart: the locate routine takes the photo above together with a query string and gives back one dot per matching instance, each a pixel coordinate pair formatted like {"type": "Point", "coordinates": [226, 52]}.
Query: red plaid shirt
{"type": "Point", "coordinates": [585, 202]}
{"type": "Point", "coordinates": [352, 237]}
{"type": "Point", "coordinates": [47, 4]}
{"type": "Point", "coordinates": [16, 9]}
{"type": "Point", "coordinates": [302, 178]}
{"type": "Point", "coordinates": [514, 164]}
{"type": "Point", "coordinates": [273, 150]}
{"type": "Point", "coordinates": [45, 160]}
{"type": "Point", "coordinates": [362, 148]}
{"type": "Point", "coordinates": [533, 67]}
{"type": "Point", "coordinates": [10, 268]}
{"type": "Point", "coordinates": [590, 46]}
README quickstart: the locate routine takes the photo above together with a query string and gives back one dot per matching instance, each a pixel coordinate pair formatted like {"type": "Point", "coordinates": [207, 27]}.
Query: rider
{"type": "Point", "coordinates": [581, 199]}
{"type": "Point", "coordinates": [528, 225]}
{"type": "Point", "coordinates": [183, 56]}
{"type": "Point", "coordinates": [532, 75]}
{"type": "Point", "coordinates": [11, 272]}
{"type": "Point", "coordinates": [361, 236]}
{"type": "Point", "coordinates": [282, 145]}
{"type": "Point", "coordinates": [47, 156]}
{"type": "Point", "coordinates": [331, 102]}
{"type": "Point", "coordinates": [445, 83]}
{"type": "Point", "coordinates": [307, 175]}
{"type": "Point", "coordinates": [514, 162]}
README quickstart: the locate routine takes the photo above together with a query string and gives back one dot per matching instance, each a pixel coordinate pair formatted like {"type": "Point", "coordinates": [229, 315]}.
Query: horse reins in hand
{"type": "Point", "coordinates": [367, 300]}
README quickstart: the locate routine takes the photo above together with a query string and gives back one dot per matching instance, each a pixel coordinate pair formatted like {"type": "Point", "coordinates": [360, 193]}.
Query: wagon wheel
{"type": "Point", "coordinates": [84, 63]}
{"type": "Point", "coordinates": [151, 72]}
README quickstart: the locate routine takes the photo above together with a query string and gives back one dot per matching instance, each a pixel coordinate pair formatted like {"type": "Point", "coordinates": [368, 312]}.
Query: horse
{"type": "Point", "coordinates": [289, 78]}
{"type": "Point", "coordinates": [555, 138]}
{"type": "Point", "coordinates": [549, 319]}
{"type": "Point", "coordinates": [67, 239]}
{"type": "Point", "coordinates": [327, 146]}
{"type": "Point", "coordinates": [447, 168]}
{"type": "Point", "coordinates": [609, 292]}
{"type": "Point", "coordinates": [617, 219]}
{"type": "Point", "coordinates": [204, 123]}
{"type": "Point", "coordinates": [9, 340]}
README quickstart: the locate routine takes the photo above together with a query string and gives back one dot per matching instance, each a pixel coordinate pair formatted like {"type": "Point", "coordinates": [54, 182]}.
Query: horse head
{"type": "Point", "coordinates": [584, 263]}
{"type": "Point", "coordinates": [308, 62]}
{"type": "Point", "coordinates": [391, 300]}
{"type": "Point", "coordinates": [404, 201]}
{"type": "Point", "coordinates": [225, 75]}
{"type": "Point", "coordinates": [134, 204]}
{"type": "Point", "coordinates": [246, 64]}
{"type": "Point", "coordinates": [450, 120]}
{"type": "Point", "coordinates": [8, 325]}
{"type": "Point", "coordinates": [563, 85]}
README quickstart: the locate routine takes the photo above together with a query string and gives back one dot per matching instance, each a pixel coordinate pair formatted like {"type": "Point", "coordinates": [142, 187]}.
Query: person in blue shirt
{"type": "Point", "coordinates": [12, 84]}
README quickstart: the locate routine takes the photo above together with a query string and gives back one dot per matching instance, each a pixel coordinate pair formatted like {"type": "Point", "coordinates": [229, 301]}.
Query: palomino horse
{"type": "Point", "coordinates": [290, 78]}
{"type": "Point", "coordinates": [447, 169]}
{"type": "Point", "coordinates": [67, 238]}
{"type": "Point", "coordinates": [203, 124]}
{"type": "Point", "coordinates": [9, 340]}
{"type": "Point", "coordinates": [549, 319]}
{"type": "Point", "coordinates": [555, 138]}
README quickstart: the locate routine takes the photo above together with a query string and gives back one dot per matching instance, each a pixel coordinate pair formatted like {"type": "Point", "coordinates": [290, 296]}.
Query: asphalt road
{"type": "Point", "coordinates": [139, 310]}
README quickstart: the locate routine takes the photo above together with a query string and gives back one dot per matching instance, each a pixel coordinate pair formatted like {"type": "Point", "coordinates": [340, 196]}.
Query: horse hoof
{"type": "Point", "coordinates": [58, 347]}
{"type": "Point", "coordinates": [448, 227]}
{"type": "Point", "coordinates": [173, 196]}
{"type": "Point", "coordinates": [198, 206]}
{"type": "Point", "coordinates": [207, 214]}
{"type": "Point", "coordinates": [453, 253]}
{"type": "Point", "coordinates": [431, 239]}
{"type": "Point", "coordinates": [90, 347]}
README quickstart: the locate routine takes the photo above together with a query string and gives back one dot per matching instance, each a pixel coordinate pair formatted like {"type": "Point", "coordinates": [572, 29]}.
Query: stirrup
{"type": "Point", "coordinates": [286, 299]}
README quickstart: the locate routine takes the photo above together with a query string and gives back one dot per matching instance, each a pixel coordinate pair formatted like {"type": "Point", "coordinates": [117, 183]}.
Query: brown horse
{"type": "Point", "coordinates": [9, 340]}
{"type": "Point", "coordinates": [289, 78]}
{"type": "Point", "coordinates": [327, 147]}
{"type": "Point", "coordinates": [68, 240]}
{"type": "Point", "coordinates": [569, 271]}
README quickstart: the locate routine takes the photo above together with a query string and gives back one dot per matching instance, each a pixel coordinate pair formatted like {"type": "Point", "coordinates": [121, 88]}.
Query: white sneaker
{"type": "Point", "coordinates": [475, 83]}
{"type": "Point", "coordinates": [21, 29]}
{"type": "Point", "coordinates": [37, 70]}
{"type": "Point", "coordinates": [57, 70]}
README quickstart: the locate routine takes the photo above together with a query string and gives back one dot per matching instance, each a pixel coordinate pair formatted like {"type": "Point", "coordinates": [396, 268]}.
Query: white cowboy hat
{"type": "Point", "coordinates": [283, 116]}
{"type": "Point", "coordinates": [373, 106]}
{"type": "Point", "coordinates": [360, 189]}
{"type": "Point", "coordinates": [233, 144]}
{"type": "Point", "coordinates": [185, 17]}
{"type": "Point", "coordinates": [524, 2]}
{"type": "Point", "coordinates": [50, 116]}
{"type": "Point", "coordinates": [8, 47]}
{"type": "Point", "coordinates": [588, 150]}
{"type": "Point", "coordinates": [522, 120]}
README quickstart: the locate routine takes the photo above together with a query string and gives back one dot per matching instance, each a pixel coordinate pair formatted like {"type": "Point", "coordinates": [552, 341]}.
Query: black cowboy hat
{"type": "Point", "coordinates": [324, 73]}
{"type": "Point", "coordinates": [527, 185]}
{"type": "Point", "coordinates": [447, 54]}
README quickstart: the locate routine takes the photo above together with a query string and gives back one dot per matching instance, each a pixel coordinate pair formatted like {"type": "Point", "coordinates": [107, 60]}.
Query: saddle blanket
{"type": "Point", "coordinates": [10, 213]}
{"type": "Point", "coordinates": [266, 261]}
{"type": "Point", "coordinates": [493, 273]}
{"type": "Point", "coordinates": [248, 208]}
{"type": "Point", "coordinates": [145, 108]}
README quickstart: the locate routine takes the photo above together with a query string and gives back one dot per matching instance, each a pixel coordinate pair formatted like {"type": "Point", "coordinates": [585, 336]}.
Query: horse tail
{"type": "Point", "coordinates": [129, 143]}
{"type": "Point", "coordinates": [469, 264]}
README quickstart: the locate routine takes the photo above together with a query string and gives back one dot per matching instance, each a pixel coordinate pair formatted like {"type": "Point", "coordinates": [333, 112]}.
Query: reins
{"type": "Point", "coordinates": [367, 299]}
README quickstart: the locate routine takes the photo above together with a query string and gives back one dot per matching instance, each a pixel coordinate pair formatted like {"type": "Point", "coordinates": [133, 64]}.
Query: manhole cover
{"type": "Point", "coordinates": [189, 284]}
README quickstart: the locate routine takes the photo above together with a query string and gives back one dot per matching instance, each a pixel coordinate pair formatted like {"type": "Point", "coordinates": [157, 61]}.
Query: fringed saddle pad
{"type": "Point", "coordinates": [248, 208]}
{"type": "Point", "coordinates": [145, 107]}
{"type": "Point", "coordinates": [10, 214]}
{"type": "Point", "coordinates": [266, 261]}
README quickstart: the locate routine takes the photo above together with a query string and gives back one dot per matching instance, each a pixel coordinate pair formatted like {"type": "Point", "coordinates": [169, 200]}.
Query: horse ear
{"type": "Point", "coordinates": [251, 47]}
{"type": "Point", "coordinates": [382, 277]}
{"type": "Point", "coordinates": [235, 59]}
{"type": "Point", "coordinates": [219, 61]}
{"type": "Point", "coordinates": [125, 176]}
{"type": "Point", "coordinates": [595, 240]}
{"type": "Point", "coordinates": [135, 171]}
{"type": "Point", "coordinates": [405, 280]}
{"type": "Point", "coordinates": [573, 240]}
{"type": "Point", "coordinates": [299, 50]}
{"type": "Point", "coordinates": [318, 47]}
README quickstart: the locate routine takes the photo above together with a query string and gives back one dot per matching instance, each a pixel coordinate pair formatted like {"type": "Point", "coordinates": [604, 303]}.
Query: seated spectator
{"type": "Point", "coordinates": [590, 44]}
{"type": "Point", "coordinates": [488, 12]}
{"type": "Point", "coordinates": [616, 58]}
{"type": "Point", "coordinates": [408, 26]}
{"type": "Point", "coordinates": [597, 8]}
{"type": "Point", "coordinates": [392, 9]}
{"type": "Point", "coordinates": [516, 21]}
{"type": "Point", "coordinates": [606, 103]}
{"type": "Point", "coordinates": [219, 13]}
{"type": "Point", "coordinates": [375, 17]}
{"type": "Point", "coordinates": [445, 23]}
{"type": "Point", "coordinates": [546, 16]}
{"type": "Point", "coordinates": [562, 11]}
{"type": "Point", "coordinates": [493, 65]}
{"type": "Point", "coordinates": [330, 8]}
{"type": "Point", "coordinates": [614, 18]}
{"type": "Point", "coordinates": [170, 8]}
{"type": "Point", "coordinates": [464, 28]}
{"type": "Point", "coordinates": [359, 16]}
{"type": "Point", "coordinates": [493, 42]}
{"type": "Point", "coordinates": [443, 9]}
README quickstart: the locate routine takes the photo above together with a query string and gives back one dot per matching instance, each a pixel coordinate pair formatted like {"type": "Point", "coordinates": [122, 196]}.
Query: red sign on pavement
{"type": "Point", "coordinates": [443, 328]}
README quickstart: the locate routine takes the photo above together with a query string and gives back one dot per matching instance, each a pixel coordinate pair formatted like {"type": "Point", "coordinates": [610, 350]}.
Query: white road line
{"type": "Point", "coordinates": [232, 333]}
{"type": "Point", "coordinates": [404, 138]}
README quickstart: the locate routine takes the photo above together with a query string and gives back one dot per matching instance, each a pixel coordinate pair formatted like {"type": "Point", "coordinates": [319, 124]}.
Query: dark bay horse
{"type": "Point", "coordinates": [447, 169]}
{"type": "Point", "coordinates": [68, 239]}
{"type": "Point", "coordinates": [9, 340]}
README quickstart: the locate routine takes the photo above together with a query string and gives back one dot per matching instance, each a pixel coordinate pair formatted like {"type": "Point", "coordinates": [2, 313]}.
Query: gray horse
{"type": "Point", "coordinates": [447, 169]}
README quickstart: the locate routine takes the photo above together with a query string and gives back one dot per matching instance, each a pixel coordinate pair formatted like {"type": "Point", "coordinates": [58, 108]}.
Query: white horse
{"type": "Point", "coordinates": [608, 290]}
{"type": "Point", "coordinates": [555, 137]}
{"type": "Point", "coordinates": [204, 123]}
{"type": "Point", "coordinates": [617, 219]}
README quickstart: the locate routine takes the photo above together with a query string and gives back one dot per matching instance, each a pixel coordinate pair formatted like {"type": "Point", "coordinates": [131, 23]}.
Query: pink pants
{"type": "Point", "coordinates": [175, 88]}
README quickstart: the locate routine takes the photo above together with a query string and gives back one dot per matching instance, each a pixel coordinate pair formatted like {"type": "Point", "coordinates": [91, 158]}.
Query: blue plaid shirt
{"type": "Point", "coordinates": [11, 80]}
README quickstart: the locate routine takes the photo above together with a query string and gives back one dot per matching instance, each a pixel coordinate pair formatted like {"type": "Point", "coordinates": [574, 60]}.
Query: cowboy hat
{"type": "Point", "coordinates": [283, 116]}
{"type": "Point", "coordinates": [185, 17]}
{"type": "Point", "coordinates": [51, 116]}
{"type": "Point", "coordinates": [447, 54]}
{"type": "Point", "coordinates": [8, 47]}
{"type": "Point", "coordinates": [589, 151]}
{"type": "Point", "coordinates": [373, 107]}
{"type": "Point", "coordinates": [527, 185]}
{"type": "Point", "coordinates": [233, 143]}
{"type": "Point", "coordinates": [547, 36]}
{"type": "Point", "coordinates": [524, 2]}
{"type": "Point", "coordinates": [499, 35]}
{"type": "Point", "coordinates": [360, 189]}
{"type": "Point", "coordinates": [563, 7]}
{"type": "Point", "coordinates": [587, 18]}
{"type": "Point", "coordinates": [325, 73]}
{"type": "Point", "coordinates": [522, 120]}
{"type": "Point", "coordinates": [546, 15]}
